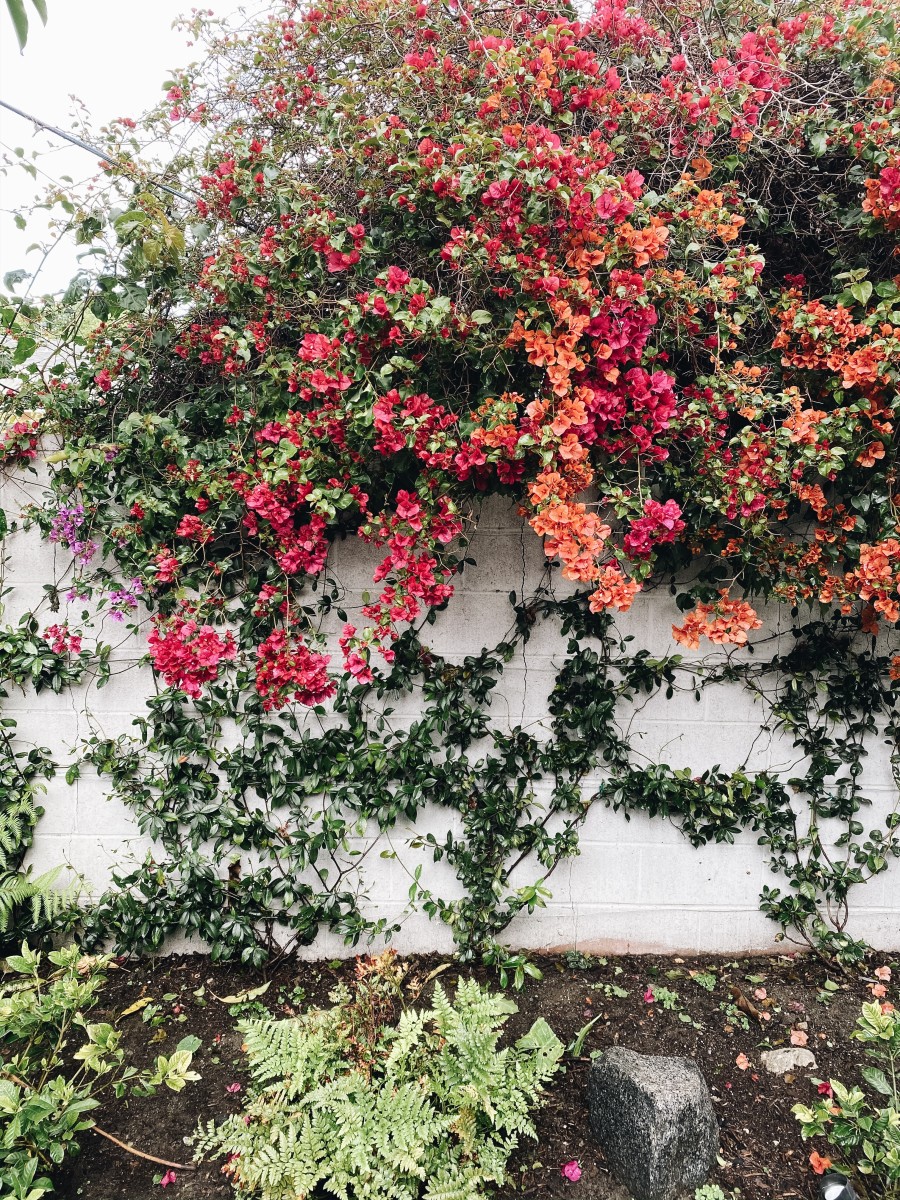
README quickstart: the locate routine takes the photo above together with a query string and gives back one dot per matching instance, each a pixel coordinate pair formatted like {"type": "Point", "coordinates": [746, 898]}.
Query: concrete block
{"type": "Point", "coordinates": [499, 512]}
{"type": "Point", "coordinates": [53, 727]}
{"type": "Point", "coordinates": [59, 803]}
{"type": "Point", "coordinates": [124, 692]}
{"type": "Point", "coordinates": [698, 746]}
{"type": "Point", "coordinates": [631, 929]}
{"type": "Point", "coordinates": [602, 873]}
{"type": "Point", "coordinates": [97, 810]}
{"type": "Point", "coordinates": [712, 876]}
{"type": "Point", "coordinates": [508, 560]}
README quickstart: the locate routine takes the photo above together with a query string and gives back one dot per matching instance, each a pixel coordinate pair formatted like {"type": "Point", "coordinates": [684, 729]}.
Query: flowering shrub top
{"type": "Point", "coordinates": [632, 270]}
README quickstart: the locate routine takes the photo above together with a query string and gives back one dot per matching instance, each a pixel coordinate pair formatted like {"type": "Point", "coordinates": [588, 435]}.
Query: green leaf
{"type": "Point", "coordinates": [20, 20]}
{"type": "Point", "coordinates": [577, 1045]}
{"type": "Point", "coordinates": [877, 1079]}
{"type": "Point", "coordinates": [861, 291]}
{"type": "Point", "coordinates": [12, 278]}
{"type": "Point", "coordinates": [818, 142]}
{"type": "Point", "coordinates": [40, 7]}
{"type": "Point", "coordinates": [25, 347]}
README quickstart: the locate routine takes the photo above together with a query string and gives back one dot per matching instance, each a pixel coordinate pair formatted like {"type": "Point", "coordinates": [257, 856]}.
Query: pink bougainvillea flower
{"type": "Point", "coordinates": [742, 1062]}
{"type": "Point", "coordinates": [649, 996]}
{"type": "Point", "coordinates": [878, 989]}
{"type": "Point", "coordinates": [571, 1170]}
{"type": "Point", "coordinates": [798, 1037]}
{"type": "Point", "coordinates": [169, 1177]}
{"type": "Point", "coordinates": [760, 994]}
{"type": "Point", "coordinates": [883, 973]}
{"type": "Point", "coordinates": [233, 1088]}
{"type": "Point", "coordinates": [824, 1089]}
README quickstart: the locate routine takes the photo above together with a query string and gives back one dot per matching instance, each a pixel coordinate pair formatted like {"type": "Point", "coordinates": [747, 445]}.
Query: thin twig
{"type": "Point", "coordinates": [163, 1162]}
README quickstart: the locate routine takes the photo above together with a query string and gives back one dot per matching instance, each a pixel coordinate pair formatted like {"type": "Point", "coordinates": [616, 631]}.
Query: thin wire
{"type": "Point", "coordinates": [76, 141]}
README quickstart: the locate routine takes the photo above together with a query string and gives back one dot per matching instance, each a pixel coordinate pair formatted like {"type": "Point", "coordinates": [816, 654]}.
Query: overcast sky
{"type": "Point", "coordinates": [111, 54]}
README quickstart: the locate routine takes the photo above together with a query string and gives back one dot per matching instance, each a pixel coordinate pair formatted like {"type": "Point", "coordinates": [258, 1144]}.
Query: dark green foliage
{"type": "Point", "coordinates": [281, 805]}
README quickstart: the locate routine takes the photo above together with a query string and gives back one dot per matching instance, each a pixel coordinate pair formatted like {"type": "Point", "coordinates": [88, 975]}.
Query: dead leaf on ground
{"type": "Point", "coordinates": [243, 997]}
{"type": "Point", "coordinates": [137, 1006]}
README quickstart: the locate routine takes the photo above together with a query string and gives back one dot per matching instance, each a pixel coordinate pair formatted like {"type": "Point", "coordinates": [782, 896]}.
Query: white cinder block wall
{"type": "Point", "coordinates": [637, 885]}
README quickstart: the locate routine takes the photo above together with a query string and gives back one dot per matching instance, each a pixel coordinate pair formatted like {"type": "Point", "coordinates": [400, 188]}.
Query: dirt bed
{"type": "Point", "coordinates": [715, 1010]}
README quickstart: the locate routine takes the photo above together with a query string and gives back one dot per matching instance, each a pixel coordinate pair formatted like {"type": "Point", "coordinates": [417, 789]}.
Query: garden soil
{"type": "Point", "coordinates": [722, 1013]}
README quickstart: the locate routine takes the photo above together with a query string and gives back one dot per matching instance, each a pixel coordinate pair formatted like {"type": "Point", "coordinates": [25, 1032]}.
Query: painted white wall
{"type": "Point", "coordinates": [637, 885]}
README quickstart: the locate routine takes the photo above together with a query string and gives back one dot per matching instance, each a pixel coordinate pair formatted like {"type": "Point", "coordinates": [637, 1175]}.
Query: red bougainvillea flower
{"type": "Point", "coordinates": [187, 654]}
{"type": "Point", "coordinates": [287, 669]}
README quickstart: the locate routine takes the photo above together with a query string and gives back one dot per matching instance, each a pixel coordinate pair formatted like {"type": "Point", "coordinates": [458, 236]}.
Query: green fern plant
{"type": "Point", "coordinates": [427, 1108]}
{"type": "Point", "coordinates": [44, 901]}
{"type": "Point", "coordinates": [29, 904]}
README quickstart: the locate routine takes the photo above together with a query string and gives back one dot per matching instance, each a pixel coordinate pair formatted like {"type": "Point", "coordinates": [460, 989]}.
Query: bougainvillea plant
{"type": "Point", "coordinates": [632, 267]}
{"type": "Point", "coordinates": [634, 272]}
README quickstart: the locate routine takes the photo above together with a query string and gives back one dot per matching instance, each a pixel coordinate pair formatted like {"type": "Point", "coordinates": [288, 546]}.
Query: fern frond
{"type": "Point", "coordinates": [47, 901]}
{"type": "Point", "coordinates": [429, 1109]}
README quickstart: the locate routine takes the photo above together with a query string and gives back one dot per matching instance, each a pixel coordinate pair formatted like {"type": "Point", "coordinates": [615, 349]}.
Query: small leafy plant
{"type": "Point", "coordinates": [577, 960]}
{"type": "Point", "coordinates": [344, 1102]}
{"type": "Point", "coordinates": [670, 1000]}
{"type": "Point", "coordinates": [853, 1125]}
{"type": "Point", "coordinates": [705, 979]}
{"type": "Point", "coordinates": [55, 1065]}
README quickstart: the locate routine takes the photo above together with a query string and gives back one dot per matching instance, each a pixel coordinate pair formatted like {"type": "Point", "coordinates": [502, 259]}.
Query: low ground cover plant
{"type": "Point", "coordinates": [348, 1101]}
{"type": "Point", "coordinates": [56, 1065]}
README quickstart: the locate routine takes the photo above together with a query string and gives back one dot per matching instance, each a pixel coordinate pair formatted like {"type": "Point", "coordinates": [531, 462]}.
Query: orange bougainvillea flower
{"type": "Point", "coordinates": [818, 1163]}
{"type": "Point", "coordinates": [801, 426]}
{"type": "Point", "coordinates": [726, 622]}
{"type": "Point", "coordinates": [614, 590]}
{"type": "Point", "coordinates": [868, 620]}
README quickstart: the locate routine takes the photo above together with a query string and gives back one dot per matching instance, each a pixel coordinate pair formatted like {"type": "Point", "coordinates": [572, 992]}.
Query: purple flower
{"type": "Point", "coordinates": [66, 529]}
{"type": "Point", "coordinates": [124, 600]}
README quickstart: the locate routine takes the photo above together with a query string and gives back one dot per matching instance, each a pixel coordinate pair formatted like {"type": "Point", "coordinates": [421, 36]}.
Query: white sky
{"type": "Point", "coordinates": [111, 54]}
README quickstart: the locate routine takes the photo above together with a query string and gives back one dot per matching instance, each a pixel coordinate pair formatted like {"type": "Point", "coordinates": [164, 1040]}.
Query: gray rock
{"type": "Point", "coordinates": [654, 1120]}
{"type": "Point", "coordinates": [789, 1058]}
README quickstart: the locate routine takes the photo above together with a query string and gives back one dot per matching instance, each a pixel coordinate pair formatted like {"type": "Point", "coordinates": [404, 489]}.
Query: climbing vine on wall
{"type": "Point", "coordinates": [631, 270]}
